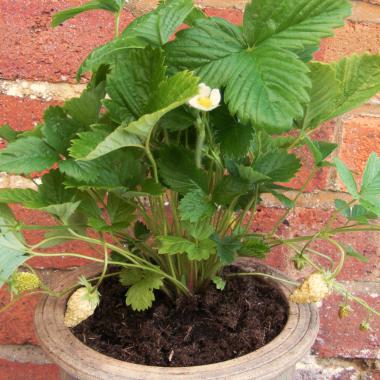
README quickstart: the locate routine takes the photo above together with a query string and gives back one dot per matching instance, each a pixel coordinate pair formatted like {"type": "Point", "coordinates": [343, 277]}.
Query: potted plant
{"type": "Point", "coordinates": [160, 166]}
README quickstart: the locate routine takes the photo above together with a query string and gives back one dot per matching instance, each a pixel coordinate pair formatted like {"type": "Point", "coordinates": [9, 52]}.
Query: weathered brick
{"type": "Point", "coordinates": [342, 338]}
{"type": "Point", "coordinates": [365, 12]}
{"type": "Point", "coordinates": [21, 113]}
{"type": "Point", "coordinates": [33, 217]}
{"type": "Point", "coordinates": [21, 371]}
{"type": "Point", "coordinates": [16, 323]}
{"type": "Point", "coordinates": [360, 137]}
{"type": "Point", "coordinates": [352, 38]}
{"type": "Point", "coordinates": [377, 2]}
{"type": "Point", "coordinates": [31, 49]}
{"type": "Point", "coordinates": [233, 15]}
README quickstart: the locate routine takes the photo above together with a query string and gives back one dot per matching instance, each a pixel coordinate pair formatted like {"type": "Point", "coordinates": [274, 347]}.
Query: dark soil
{"type": "Point", "coordinates": [209, 328]}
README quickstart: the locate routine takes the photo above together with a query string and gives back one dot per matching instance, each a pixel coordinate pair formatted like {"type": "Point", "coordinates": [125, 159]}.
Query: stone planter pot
{"type": "Point", "coordinates": [275, 361]}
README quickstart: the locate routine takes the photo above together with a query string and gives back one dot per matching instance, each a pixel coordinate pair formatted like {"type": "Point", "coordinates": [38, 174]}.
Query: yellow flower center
{"type": "Point", "coordinates": [205, 102]}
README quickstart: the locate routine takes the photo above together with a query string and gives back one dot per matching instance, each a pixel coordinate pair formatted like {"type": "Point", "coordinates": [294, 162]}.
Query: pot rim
{"type": "Point", "coordinates": [77, 359]}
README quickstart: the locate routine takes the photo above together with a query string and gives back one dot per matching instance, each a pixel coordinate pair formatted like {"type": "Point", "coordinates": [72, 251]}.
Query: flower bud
{"type": "Point", "coordinates": [364, 326]}
{"type": "Point", "coordinates": [299, 261]}
{"type": "Point", "coordinates": [344, 311]}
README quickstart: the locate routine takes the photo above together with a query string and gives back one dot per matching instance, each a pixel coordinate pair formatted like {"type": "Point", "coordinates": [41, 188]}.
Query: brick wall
{"type": "Point", "coordinates": [37, 68]}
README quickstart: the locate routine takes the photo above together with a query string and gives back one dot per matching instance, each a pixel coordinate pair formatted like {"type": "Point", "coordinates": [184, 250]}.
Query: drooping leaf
{"type": "Point", "coordinates": [178, 171]}
{"type": "Point", "coordinates": [170, 94]}
{"type": "Point", "coordinates": [279, 165]}
{"type": "Point", "coordinates": [7, 133]}
{"type": "Point", "coordinates": [120, 212]}
{"type": "Point", "coordinates": [229, 188]}
{"type": "Point", "coordinates": [113, 6]}
{"type": "Point", "coordinates": [346, 177]}
{"type": "Point", "coordinates": [27, 155]}
{"type": "Point", "coordinates": [263, 85]}
{"type": "Point", "coordinates": [293, 24]}
{"type": "Point", "coordinates": [195, 206]}
{"type": "Point", "coordinates": [63, 210]}
{"type": "Point", "coordinates": [226, 248]}
{"type": "Point", "coordinates": [13, 251]}
{"type": "Point", "coordinates": [141, 231]}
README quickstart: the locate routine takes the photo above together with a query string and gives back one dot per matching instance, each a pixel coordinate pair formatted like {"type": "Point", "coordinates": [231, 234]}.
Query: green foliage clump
{"type": "Point", "coordinates": [167, 154]}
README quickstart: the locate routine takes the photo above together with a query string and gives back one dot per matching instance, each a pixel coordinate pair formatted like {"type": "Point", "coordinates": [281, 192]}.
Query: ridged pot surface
{"type": "Point", "coordinates": [275, 361]}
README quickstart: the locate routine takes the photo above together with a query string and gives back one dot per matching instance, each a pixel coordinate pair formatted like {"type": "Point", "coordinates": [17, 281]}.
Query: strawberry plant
{"type": "Point", "coordinates": [163, 160]}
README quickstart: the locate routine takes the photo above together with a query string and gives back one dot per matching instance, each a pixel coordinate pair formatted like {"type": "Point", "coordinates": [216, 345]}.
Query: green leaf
{"type": "Point", "coordinates": [12, 252]}
{"type": "Point", "coordinates": [178, 171]}
{"type": "Point", "coordinates": [121, 213]}
{"type": "Point", "coordinates": [63, 211]}
{"type": "Point", "coordinates": [141, 231]}
{"type": "Point", "coordinates": [359, 80]}
{"type": "Point", "coordinates": [171, 245]}
{"type": "Point", "coordinates": [201, 230]}
{"type": "Point", "coordinates": [27, 155]}
{"type": "Point", "coordinates": [234, 138]}
{"type": "Point", "coordinates": [131, 83]}
{"type": "Point", "coordinates": [226, 248]}
{"type": "Point", "coordinates": [84, 109]}
{"type": "Point", "coordinates": [170, 94]}
{"type": "Point", "coordinates": [113, 6]}
{"type": "Point", "coordinates": [254, 247]}
{"type": "Point", "coordinates": [266, 86]}
{"type": "Point", "coordinates": [351, 252]}
{"type": "Point", "coordinates": [347, 177]}
{"type": "Point", "coordinates": [201, 250]}
{"type": "Point", "coordinates": [195, 206]}
{"type": "Point", "coordinates": [279, 165]}
{"type": "Point", "coordinates": [320, 150]}
{"type": "Point", "coordinates": [177, 120]}
{"type": "Point", "coordinates": [157, 26]}
{"type": "Point", "coordinates": [140, 295]}
{"type": "Point", "coordinates": [251, 176]}
{"type": "Point", "coordinates": [323, 94]}
{"type": "Point", "coordinates": [371, 177]}
{"type": "Point", "coordinates": [7, 133]}
{"type": "Point", "coordinates": [59, 129]}
{"type": "Point", "coordinates": [27, 197]}
{"type": "Point", "coordinates": [229, 188]}
{"type": "Point", "coordinates": [109, 54]}
{"type": "Point", "coordinates": [220, 284]}
{"type": "Point", "coordinates": [293, 24]}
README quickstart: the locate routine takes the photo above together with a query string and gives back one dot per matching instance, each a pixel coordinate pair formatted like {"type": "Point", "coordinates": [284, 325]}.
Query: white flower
{"type": "Point", "coordinates": [80, 306]}
{"type": "Point", "coordinates": [207, 99]}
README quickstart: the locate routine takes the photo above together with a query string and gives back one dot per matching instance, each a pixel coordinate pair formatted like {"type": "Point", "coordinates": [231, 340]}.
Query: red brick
{"type": "Point", "coordinates": [21, 113]}
{"type": "Point", "coordinates": [33, 217]}
{"type": "Point", "coordinates": [27, 371]}
{"type": "Point", "coordinates": [352, 38]}
{"type": "Point", "coordinates": [31, 49]}
{"type": "Point", "coordinates": [16, 323]}
{"type": "Point", "coordinates": [233, 15]}
{"type": "Point", "coordinates": [377, 2]}
{"type": "Point", "coordinates": [342, 338]}
{"type": "Point", "coordinates": [361, 137]}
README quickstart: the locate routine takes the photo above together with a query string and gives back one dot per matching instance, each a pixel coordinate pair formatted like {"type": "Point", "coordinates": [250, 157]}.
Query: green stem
{"type": "Point", "coordinates": [294, 283]}
{"type": "Point", "coordinates": [201, 135]}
